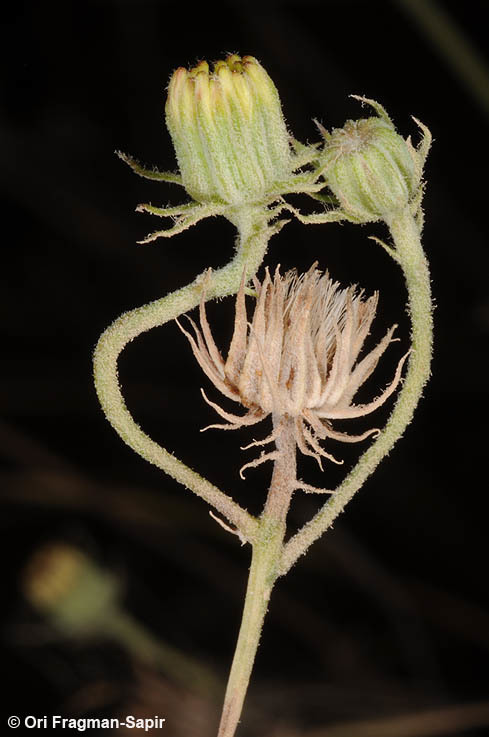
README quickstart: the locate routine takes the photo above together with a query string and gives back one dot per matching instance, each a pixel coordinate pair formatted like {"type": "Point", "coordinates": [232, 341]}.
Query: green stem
{"type": "Point", "coordinates": [454, 46]}
{"type": "Point", "coordinates": [409, 251]}
{"type": "Point", "coordinates": [267, 551]}
{"type": "Point", "coordinates": [122, 627]}
{"type": "Point", "coordinates": [254, 233]}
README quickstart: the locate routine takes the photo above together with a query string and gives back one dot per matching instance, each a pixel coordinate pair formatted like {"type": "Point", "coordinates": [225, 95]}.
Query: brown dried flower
{"type": "Point", "coordinates": [297, 360]}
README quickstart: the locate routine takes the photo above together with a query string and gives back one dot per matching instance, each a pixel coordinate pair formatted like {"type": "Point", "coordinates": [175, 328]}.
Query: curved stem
{"type": "Point", "coordinates": [411, 257]}
{"type": "Point", "coordinates": [267, 551]}
{"type": "Point", "coordinates": [254, 233]}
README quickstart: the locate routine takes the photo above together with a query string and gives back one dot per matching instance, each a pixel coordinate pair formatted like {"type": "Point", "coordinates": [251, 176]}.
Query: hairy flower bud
{"type": "Point", "coordinates": [370, 168]}
{"type": "Point", "coordinates": [228, 131]}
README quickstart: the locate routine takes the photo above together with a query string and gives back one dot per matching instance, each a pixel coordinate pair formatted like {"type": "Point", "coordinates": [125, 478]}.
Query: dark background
{"type": "Point", "coordinates": [387, 617]}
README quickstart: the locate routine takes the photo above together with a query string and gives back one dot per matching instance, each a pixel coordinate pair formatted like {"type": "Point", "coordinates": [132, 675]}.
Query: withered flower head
{"type": "Point", "coordinates": [298, 359]}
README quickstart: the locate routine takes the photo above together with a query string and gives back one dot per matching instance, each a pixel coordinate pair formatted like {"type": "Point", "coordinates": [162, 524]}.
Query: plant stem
{"type": "Point", "coordinates": [254, 233]}
{"type": "Point", "coordinates": [267, 550]}
{"type": "Point", "coordinates": [189, 672]}
{"type": "Point", "coordinates": [412, 259]}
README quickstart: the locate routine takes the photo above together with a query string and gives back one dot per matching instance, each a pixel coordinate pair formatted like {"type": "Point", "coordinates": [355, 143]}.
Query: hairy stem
{"type": "Point", "coordinates": [267, 551]}
{"type": "Point", "coordinates": [409, 252]}
{"type": "Point", "coordinates": [254, 233]}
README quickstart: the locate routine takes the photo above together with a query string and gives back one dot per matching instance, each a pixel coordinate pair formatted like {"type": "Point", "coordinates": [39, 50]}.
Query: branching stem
{"type": "Point", "coordinates": [271, 558]}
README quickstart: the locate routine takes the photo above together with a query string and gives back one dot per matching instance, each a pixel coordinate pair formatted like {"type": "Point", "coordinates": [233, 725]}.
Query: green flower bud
{"type": "Point", "coordinates": [370, 168]}
{"type": "Point", "coordinates": [68, 588]}
{"type": "Point", "coordinates": [228, 131]}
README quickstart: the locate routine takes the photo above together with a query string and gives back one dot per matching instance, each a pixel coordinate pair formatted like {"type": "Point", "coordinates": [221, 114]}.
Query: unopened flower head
{"type": "Point", "coordinates": [370, 168]}
{"type": "Point", "coordinates": [68, 587]}
{"type": "Point", "coordinates": [298, 359]}
{"type": "Point", "coordinates": [228, 131]}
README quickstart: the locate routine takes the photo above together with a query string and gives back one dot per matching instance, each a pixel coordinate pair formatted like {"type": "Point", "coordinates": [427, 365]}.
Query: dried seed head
{"type": "Point", "coordinates": [299, 357]}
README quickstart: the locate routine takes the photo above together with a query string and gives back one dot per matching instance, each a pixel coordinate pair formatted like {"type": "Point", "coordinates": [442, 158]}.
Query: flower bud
{"type": "Point", "coordinates": [370, 168]}
{"type": "Point", "coordinates": [228, 131]}
{"type": "Point", "coordinates": [71, 590]}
